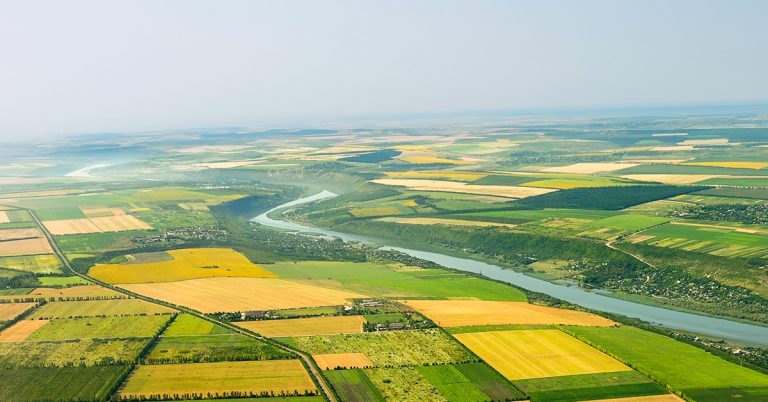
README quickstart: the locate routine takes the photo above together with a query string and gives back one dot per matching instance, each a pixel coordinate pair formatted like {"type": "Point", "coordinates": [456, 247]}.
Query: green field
{"type": "Point", "coordinates": [393, 281]}
{"type": "Point", "coordinates": [391, 349]}
{"type": "Point", "coordinates": [37, 264]}
{"type": "Point", "coordinates": [403, 384]}
{"type": "Point", "coordinates": [80, 243]}
{"type": "Point", "coordinates": [62, 281]}
{"type": "Point", "coordinates": [99, 308]}
{"type": "Point", "coordinates": [186, 324]}
{"type": "Point", "coordinates": [717, 241]}
{"type": "Point", "coordinates": [698, 374]}
{"type": "Point", "coordinates": [620, 384]}
{"type": "Point", "coordinates": [211, 348]}
{"type": "Point", "coordinates": [469, 382]}
{"type": "Point", "coordinates": [353, 385]}
{"type": "Point", "coordinates": [71, 353]}
{"type": "Point", "coordinates": [60, 384]}
{"type": "Point", "coordinates": [100, 328]}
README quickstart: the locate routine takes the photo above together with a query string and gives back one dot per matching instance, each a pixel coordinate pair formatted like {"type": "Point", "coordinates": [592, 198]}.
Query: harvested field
{"type": "Point", "coordinates": [94, 308]}
{"type": "Point", "coordinates": [39, 264]}
{"type": "Point", "coordinates": [670, 178]}
{"type": "Point", "coordinates": [673, 148]}
{"type": "Point", "coordinates": [75, 291]}
{"type": "Point", "coordinates": [459, 187]}
{"type": "Point", "coordinates": [9, 311]}
{"type": "Point", "coordinates": [735, 165]}
{"type": "Point", "coordinates": [525, 354]}
{"type": "Point", "coordinates": [102, 212]}
{"type": "Point", "coordinates": [589, 168]}
{"type": "Point", "coordinates": [443, 175]}
{"type": "Point", "coordinates": [278, 376]}
{"type": "Point", "coordinates": [306, 326]}
{"type": "Point", "coordinates": [650, 398]}
{"type": "Point", "coordinates": [211, 295]}
{"type": "Point", "coordinates": [713, 141]}
{"type": "Point", "coordinates": [33, 246]}
{"type": "Point", "coordinates": [444, 221]}
{"type": "Point", "coordinates": [188, 263]}
{"type": "Point", "coordinates": [21, 330]}
{"type": "Point", "coordinates": [4, 217]}
{"type": "Point", "coordinates": [24, 233]}
{"type": "Point", "coordinates": [461, 313]}
{"type": "Point", "coordinates": [331, 361]}
{"type": "Point", "coordinates": [119, 223]}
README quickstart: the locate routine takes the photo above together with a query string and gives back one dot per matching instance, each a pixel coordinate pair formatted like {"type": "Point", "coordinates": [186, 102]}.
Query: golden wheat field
{"type": "Point", "coordinates": [21, 330]}
{"type": "Point", "coordinates": [211, 295]}
{"type": "Point", "coordinates": [33, 246]}
{"type": "Point", "coordinates": [188, 263]}
{"type": "Point", "coordinates": [9, 311]}
{"type": "Point", "coordinates": [330, 361]}
{"type": "Point", "coordinates": [736, 165]}
{"type": "Point", "coordinates": [244, 376]}
{"type": "Point", "coordinates": [460, 187]}
{"type": "Point", "coordinates": [350, 324]}
{"type": "Point", "coordinates": [537, 353]}
{"type": "Point", "coordinates": [461, 313]}
{"type": "Point", "coordinates": [75, 291]}
{"type": "Point", "coordinates": [115, 223]}
{"type": "Point", "coordinates": [445, 221]}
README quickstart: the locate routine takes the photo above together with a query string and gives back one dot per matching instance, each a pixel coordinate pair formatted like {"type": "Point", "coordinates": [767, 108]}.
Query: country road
{"type": "Point", "coordinates": [308, 362]}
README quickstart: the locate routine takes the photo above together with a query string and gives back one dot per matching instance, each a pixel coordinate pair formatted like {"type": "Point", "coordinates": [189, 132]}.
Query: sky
{"type": "Point", "coordinates": [103, 66]}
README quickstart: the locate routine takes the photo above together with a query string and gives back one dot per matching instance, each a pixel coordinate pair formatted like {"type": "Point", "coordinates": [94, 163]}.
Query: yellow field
{"type": "Point", "coordinates": [444, 221]}
{"type": "Point", "coordinates": [538, 353]}
{"type": "Point", "coordinates": [409, 203]}
{"type": "Point", "coordinates": [446, 175]}
{"type": "Point", "coordinates": [101, 212]}
{"type": "Point", "coordinates": [737, 165]}
{"type": "Point", "coordinates": [670, 178]}
{"type": "Point", "coordinates": [426, 159]}
{"type": "Point", "coordinates": [330, 361]}
{"type": "Point", "coordinates": [366, 212]}
{"type": "Point", "coordinates": [15, 234]}
{"type": "Point", "coordinates": [245, 376]}
{"type": "Point", "coordinates": [650, 398]}
{"type": "Point", "coordinates": [32, 246]}
{"type": "Point", "coordinates": [188, 263]}
{"type": "Point", "coordinates": [462, 313]}
{"type": "Point", "coordinates": [459, 187]}
{"type": "Point", "coordinates": [673, 148]}
{"type": "Point", "coordinates": [350, 324]}
{"type": "Point", "coordinates": [4, 217]}
{"type": "Point", "coordinates": [9, 311]}
{"type": "Point", "coordinates": [115, 223]}
{"type": "Point", "coordinates": [589, 168]}
{"type": "Point", "coordinates": [21, 330]}
{"type": "Point", "coordinates": [211, 295]}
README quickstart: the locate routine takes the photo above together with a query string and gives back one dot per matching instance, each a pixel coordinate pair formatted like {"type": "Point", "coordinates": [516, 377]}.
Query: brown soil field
{"type": "Point", "coordinates": [306, 326]}
{"type": "Point", "coordinates": [460, 187]}
{"type": "Point", "coordinates": [25, 247]}
{"type": "Point", "coordinates": [117, 223]}
{"type": "Point", "coordinates": [211, 295]}
{"type": "Point", "coordinates": [589, 168]}
{"type": "Point", "coordinates": [25, 233]}
{"type": "Point", "coordinates": [9, 311]}
{"type": "Point", "coordinates": [462, 313]}
{"type": "Point", "coordinates": [21, 330]}
{"type": "Point", "coordinates": [330, 361]}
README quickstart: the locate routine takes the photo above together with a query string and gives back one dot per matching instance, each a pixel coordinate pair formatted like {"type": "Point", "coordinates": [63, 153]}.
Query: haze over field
{"type": "Point", "coordinates": [89, 66]}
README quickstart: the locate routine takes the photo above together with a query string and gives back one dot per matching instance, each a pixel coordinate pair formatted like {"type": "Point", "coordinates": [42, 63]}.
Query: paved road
{"type": "Point", "coordinates": [313, 369]}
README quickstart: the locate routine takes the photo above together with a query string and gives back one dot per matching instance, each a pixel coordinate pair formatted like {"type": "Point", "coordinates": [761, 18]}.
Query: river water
{"type": "Point", "coordinates": [710, 326]}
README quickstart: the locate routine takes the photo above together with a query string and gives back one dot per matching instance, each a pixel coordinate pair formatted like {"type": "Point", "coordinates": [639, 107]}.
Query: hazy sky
{"type": "Point", "coordinates": [89, 66]}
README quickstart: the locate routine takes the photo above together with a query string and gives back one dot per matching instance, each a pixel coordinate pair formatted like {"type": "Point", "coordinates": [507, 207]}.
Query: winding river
{"type": "Point", "coordinates": [710, 326]}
